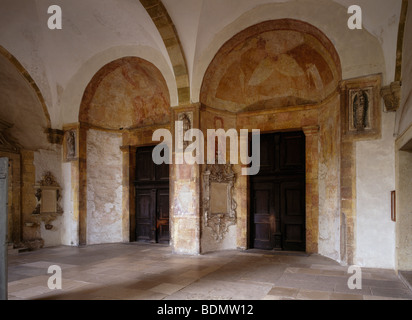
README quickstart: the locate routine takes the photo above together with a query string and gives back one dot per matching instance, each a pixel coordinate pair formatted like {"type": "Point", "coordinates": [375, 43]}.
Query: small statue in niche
{"type": "Point", "coordinates": [186, 126]}
{"type": "Point", "coordinates": [71, 145]}
{"type": "Point", "coordinates": [360, 110]}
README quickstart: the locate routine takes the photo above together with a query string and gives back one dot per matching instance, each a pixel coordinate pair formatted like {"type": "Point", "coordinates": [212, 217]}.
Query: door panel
{"type": "Point", "coordinates": [278, 210]}
{"type": "Point", "coordinates": [163, 215]}
{"type": "Point", "coordinates": [292, 151]}
{"type": "Point", "coordinates": [144, 165]}
{"type": "Point", "coordinates": [144, 216]}
{"type": "Point", "coordinates": [263, 215]}
{"type": "Point", "coordinates": [293, 215]}
{"type": "Point", "coordinates": [152, 198]}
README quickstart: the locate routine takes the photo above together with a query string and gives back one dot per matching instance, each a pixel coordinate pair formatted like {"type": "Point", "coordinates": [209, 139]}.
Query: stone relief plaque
{"type": "Point", "coordinates": [361, 108]}
{"type": "Point", "coordinates": [219, 206]}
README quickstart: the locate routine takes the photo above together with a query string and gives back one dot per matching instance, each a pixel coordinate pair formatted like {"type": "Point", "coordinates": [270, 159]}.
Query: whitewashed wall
{"type": "Point", "coordinates": [104, 187]}
{"type": "Point", "coordinates": [375, 179]}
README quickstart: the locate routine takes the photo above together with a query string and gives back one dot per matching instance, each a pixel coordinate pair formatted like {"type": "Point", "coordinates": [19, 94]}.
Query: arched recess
{"type": "Point", "coordinates": [25, 139]}
{"type": "Point", "coordinates": [73, 93]}
{"type": "Point", "coordinates": [281, 75]}
{"type": "Point", "coordinates": [125, 101]}
{"type": "Point", "coordinates": [27, 110]}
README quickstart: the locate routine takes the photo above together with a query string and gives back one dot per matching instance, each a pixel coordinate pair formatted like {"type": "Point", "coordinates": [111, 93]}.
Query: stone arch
{"type": "Point", "coordinates": [123, 101]}
{"type": "Point", "coordinates": [28, 104]}
{"type": "Point", "coordinates": [29, 79]}
{"type": "Point", "coordinates": [283, 75]}
{"type": "Point", "coordinates": [25, 138]}
{"type": "Point", "coordinates": [275, 63]}
{"type": "Point", "coordinates": [167, 30]}
{"type": "Point", "coordinates": [126, 94]}
{"type": "Point", "coordinates": [73, 93]}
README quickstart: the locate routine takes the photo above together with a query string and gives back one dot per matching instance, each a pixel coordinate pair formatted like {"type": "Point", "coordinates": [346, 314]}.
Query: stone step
{"type": "Point", "coordinates": [14, 251]}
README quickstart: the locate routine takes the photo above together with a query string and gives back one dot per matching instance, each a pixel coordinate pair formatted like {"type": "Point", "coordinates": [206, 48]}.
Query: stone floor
{"type": "Point", "coordinates": [151, 272]}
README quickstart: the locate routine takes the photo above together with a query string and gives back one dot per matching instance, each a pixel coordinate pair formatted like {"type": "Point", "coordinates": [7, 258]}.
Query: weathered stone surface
{"type": "Point", "coordinates": [104, 187]}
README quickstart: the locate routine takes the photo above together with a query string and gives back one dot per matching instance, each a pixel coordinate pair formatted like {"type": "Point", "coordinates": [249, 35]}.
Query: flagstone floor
{"type": "Point", "coordinates": [152, 272]}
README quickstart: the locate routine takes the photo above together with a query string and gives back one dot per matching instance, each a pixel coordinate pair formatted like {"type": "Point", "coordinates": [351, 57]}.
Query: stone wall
{"type": "Point", "coordinates": [404, 202]}
{"type": "Point", "coordinates": [329, 179]}
{"type": "Point", "coordinates": [104, 187]}
{"type": "Point", "coordinates": [14, 197]}
{"type": "Point", "coordinates": [404, 114]}
{"type": "Point", "coordinates": [375, 179]}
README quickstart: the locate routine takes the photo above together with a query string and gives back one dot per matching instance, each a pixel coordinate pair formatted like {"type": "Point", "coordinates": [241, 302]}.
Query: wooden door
{"type": "Point", "coordinates": [162, 216]}
{"type": "Point", "coordinates": [278, 194]}
{"type": "Point", "coordinates": [152, 198]}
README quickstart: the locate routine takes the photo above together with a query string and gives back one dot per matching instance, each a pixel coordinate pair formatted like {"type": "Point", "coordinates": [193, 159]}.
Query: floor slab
{"type": "Point", "coordinates": [139, 271]}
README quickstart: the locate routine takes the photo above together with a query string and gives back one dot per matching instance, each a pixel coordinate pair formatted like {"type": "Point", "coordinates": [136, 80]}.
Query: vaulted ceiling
{"type": "Point", "coordinates": [63, 62]}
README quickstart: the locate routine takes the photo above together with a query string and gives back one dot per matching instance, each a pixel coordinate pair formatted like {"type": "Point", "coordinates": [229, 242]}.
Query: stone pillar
{"type": "Point", "coordinates": [312, 188]}
{"type": "Point", "coordinates": [348, 201]}
{"type": "Point", "coordinates": [4, 163]}
{"type": "Point", "coordinates": [82, 184]}
{"type": "Point", "coordinates": [185, 195]}
{"type": "Point", "coordinates": [242, 198]}
{"type": "Point", "coordinates": [128, 204]}
{"type": "Point", "coordinates": [28, 199]}
{"type": "Point", "coordinates": [78, 160]}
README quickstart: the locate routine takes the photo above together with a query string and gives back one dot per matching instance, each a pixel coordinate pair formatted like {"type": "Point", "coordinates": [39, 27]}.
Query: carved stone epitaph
{"type": "Point", "coordinates": [48, 196]}
{"type": "Point", "coordinates": [219, 206]}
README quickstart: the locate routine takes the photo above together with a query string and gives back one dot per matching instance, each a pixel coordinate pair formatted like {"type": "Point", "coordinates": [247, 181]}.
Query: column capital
{"type": "Point", "coordinates": [311, 130]}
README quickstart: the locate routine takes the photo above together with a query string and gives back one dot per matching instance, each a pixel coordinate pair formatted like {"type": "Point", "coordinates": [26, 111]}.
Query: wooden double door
{"type": "Point", "coordinates": [152, 198]}
{"type": "Point", "coordinates": [278, 210]}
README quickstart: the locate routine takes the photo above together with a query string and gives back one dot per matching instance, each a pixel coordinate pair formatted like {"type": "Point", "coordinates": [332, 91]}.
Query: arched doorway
{"type": "Point", "coordinates": [27, 140]}
{"type": "Point", "coordinates": [280, 76]}
{"type": "Point", "coordinates": [123, 104]}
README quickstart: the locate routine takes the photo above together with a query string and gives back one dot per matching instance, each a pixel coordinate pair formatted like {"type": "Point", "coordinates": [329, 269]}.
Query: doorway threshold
{"type": "Point", "coordinates": [277, 252]}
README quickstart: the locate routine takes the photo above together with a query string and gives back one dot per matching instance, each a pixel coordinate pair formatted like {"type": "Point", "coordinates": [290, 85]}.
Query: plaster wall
{"type": "Point", "coordinates": [375, 179]}
{"type": "Point", "coordinates": [329, 180]}
{"type": "Point", "coordinates": [104, 187]}
{"type": "Point", "coordinates": [44, 161]}
{"type": "Point", "coordinates": [70, 231]}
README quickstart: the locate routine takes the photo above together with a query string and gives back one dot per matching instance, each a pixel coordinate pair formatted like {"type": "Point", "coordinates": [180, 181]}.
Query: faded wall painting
{"type": "Point", "coordinates": [270, 65]}
{"type": "Point", "coordinates": [126, 94]}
